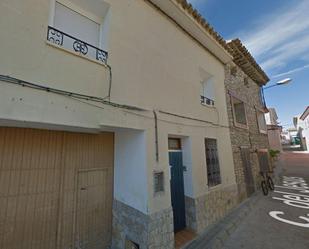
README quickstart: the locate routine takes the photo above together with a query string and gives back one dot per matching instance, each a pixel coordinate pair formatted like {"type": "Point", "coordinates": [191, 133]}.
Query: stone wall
{"type": "Point", "coordinates": [251, 137]}
{"type": "Point", "coordinates": [211, 207]}
{"type": "Point", "coordinates": [155, 231]}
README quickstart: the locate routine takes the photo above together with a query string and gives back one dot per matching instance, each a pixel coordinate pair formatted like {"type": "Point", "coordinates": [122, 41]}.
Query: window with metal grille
{"type": "Point", "coordinates": [239, 112]}
{"type": "Point", "coordinates": [208, 91]}
{"type": "Point", "coordinates": [263, 160]}
{"type": "Point", "coordinates": [212, 161]}
{"type": "Point", "coordinates": [261, 122]}
{"type": "Point", "coordinates": [158, 182]}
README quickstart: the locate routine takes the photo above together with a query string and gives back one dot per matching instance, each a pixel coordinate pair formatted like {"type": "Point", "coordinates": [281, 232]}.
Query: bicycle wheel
{"type": "Point", "coordinates": [271, 184]}
{"type": "Point", "coordinates": [264, 187]}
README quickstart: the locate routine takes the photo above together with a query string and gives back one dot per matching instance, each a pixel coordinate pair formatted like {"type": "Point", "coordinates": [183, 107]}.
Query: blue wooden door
{"type": "Point", "coordinates": [177, 190]}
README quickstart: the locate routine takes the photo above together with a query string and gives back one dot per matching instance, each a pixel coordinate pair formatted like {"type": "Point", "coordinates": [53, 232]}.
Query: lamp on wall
{"type": "Point", "coordinates": [279, 83]}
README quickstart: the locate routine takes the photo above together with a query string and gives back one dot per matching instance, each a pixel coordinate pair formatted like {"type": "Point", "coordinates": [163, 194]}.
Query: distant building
{"type": "Point", "coordinates": [273, 129]}
{"type": "Point", "coordinates": [293, 135]}
{"type": "Point", "coordinates": [285, 137]}
{"type": "Point", "coordinates": [302, 125]}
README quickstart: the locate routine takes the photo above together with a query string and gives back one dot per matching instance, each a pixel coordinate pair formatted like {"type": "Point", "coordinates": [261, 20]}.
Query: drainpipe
{"type": "Point", "coordinates": [110, 83]}
{"type": "Point", "coordinates": [156, 135]}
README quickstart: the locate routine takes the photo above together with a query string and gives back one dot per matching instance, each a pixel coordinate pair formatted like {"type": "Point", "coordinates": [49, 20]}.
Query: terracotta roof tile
{"type": "Point", "coordinates": [246, 62]}
{"type": "Point", "coordinates": [241, 55]}
{"type": "Point", "coordinates": [305, 114]}
{"type": "Point", "coordinates": [187, 7]}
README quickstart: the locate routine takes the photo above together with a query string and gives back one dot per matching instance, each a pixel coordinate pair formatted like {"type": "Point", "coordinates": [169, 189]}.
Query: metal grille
{"type": "Point", "coordinates": [263, 161]}
{"type": "Point", "coordinates": [245, 156]}
{"type": "Point", "coordinates": [212, 160]}
{"type": "Point", "coordinates": [207, 101]}
{"type": "Point", "coordinates": [83, 48]}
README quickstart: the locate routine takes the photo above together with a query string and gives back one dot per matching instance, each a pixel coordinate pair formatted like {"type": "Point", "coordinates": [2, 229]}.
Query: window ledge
{"type": "Point", "coordinates": [263, 132]}
{"type": "Point", "coordinates": [209, 106]}
{"type": "Point", "coordinates": [241, 126]}
{"type": "Point", "coordinates": [75, 53]}
{"type": "Point", "coordinates": [213, 188]}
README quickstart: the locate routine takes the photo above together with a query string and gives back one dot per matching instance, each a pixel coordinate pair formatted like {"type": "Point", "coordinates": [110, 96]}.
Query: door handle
{"type": "Point", "coordinates": [184, 168]}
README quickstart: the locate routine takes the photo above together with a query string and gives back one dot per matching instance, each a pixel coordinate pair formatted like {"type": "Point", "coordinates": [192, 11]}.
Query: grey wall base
{"type": "Point", "coordinates": [153, 231]}
{"type": "Point", "coordinates": [205, 210]}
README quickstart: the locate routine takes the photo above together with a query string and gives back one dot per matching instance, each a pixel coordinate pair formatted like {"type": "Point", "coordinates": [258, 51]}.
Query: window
{"type": "Point", "coordinates": [81, 27]}
{"type": "Point", "coordinates": [261, 122]}
{"type": "Point", "coordinates": [239, 112]}
{"type": "Point", "coordinates": [246, 82]}
{"type": "Point", "coordinates": [129, 244]}
{"type": "Point", "coordinates": [174, 144]}
{"type": "Point", "coordinates": [207, 90]}
{"type": "Point", "coordinates": [263, 160]}
{"type": "Point", "coordinates": [76, 24]}
{"type": "Point", "coordinates": [212, 161]}
{"type": "Point", "coordinates": [233, 70]}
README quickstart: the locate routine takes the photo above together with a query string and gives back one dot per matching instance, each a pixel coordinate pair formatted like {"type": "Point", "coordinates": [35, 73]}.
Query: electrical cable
{"type": "Point", "coordinates": [23, 83]}
{"type": "Point", "coordinates": [84, 98]}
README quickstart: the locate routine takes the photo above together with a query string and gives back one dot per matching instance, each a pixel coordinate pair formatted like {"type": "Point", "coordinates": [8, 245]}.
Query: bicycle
{"type": "Point", "coordinates": [267, 183]}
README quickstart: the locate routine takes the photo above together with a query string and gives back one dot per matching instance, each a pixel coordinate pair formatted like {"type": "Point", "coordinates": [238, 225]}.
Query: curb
{"type": "Point", "coordinates": [215, 235]}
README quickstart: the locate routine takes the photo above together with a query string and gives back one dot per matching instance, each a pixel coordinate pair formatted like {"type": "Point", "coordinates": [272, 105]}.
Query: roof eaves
{"type": "Point", "coordinates": [189, 9]}
{"type": "Point", "coordinates": [246, 62]}
{"type": "Point", "coordinates": [305, 114]}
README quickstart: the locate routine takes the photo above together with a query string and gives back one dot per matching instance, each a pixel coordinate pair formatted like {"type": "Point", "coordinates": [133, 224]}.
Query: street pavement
{"type": "Point", "coordinates": [281, 219]}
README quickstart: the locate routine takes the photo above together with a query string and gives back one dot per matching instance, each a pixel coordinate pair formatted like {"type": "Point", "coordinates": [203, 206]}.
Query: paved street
{"type": "Point", "coordinates": [289, 206]}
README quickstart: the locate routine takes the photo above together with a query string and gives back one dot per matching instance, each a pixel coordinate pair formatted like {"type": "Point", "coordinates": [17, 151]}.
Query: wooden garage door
{"type": "Point", "coordinates": [42, 177]}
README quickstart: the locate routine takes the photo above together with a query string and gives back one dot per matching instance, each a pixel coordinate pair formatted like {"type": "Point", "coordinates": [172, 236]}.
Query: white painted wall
{"type": "Point", "coordinates": [155, 66]}
{"type": "Point", "coordinates": [130, 174]}
{"type": "Point", "coordinates": [187, 162]}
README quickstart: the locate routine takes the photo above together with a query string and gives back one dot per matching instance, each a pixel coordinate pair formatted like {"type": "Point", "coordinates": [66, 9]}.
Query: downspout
{"type": "Point", "coordinates": [262, 92]}
{"type": "Point", "coordinates": [110, 82]}
{"type": "Point", "coordinates": [156, 135]}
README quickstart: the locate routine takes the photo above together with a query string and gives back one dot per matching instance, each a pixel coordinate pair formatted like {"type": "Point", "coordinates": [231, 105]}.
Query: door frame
{"type": "Point", "coordinates": [248, 173]}
{"type": "Point", "coordinates": [177, 150]}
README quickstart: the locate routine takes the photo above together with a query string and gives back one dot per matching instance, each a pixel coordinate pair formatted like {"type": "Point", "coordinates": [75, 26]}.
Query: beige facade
{"type": "Point", "coordinates": [156, 65]}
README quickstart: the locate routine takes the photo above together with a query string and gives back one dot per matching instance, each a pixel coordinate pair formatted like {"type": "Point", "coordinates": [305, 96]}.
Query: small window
{"type": "Point", "coordinates": [174, 144]}
{"type": "Point", "coordinates": [234, 70]}
{"type": "Point", "coordinates": [246, 82]}
{"type": "Point", "coordinates": [129, 244]}
{"type": "Point", "coordinates": [208, 91]}
{"type": "Point", "coordinates": [71, 22]}
{"type": "Point", "coordinates": [158, 182]}
{"type": "Point", "coordinates": [80, 27]}
{"type": "Point", "coordinates": [261, 122]}
{"type": "Point", "coordinates": [239, 112]}
{"type": "Point", "coordinates": [263, 159]}
{"type": "Point", "coordinates": [212, 161]}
